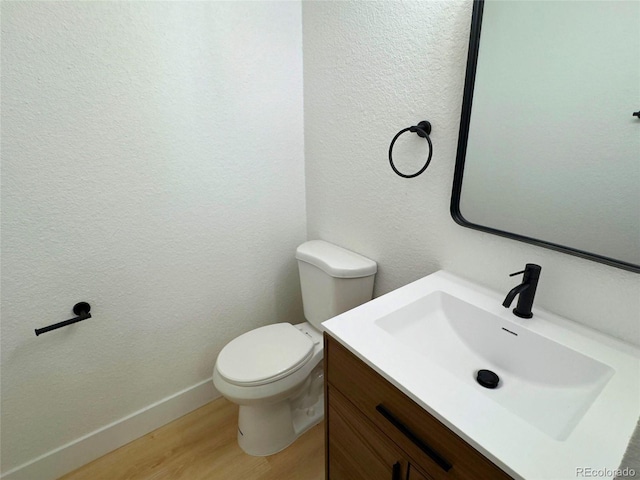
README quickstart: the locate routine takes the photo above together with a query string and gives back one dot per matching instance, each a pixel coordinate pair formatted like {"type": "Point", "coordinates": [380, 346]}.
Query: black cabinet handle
{"type": "Point", "coordinates": [435, 456]}
{"type": "Point", "coordinates": [396, 473]}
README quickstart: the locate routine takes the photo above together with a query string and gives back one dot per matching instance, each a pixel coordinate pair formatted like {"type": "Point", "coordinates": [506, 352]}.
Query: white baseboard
{"type": "Point", "coordinates": [85, 449]}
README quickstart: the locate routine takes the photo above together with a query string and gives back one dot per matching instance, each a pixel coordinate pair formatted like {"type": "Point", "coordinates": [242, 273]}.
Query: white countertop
{"type": "Point", "coordinates": [597, 442]}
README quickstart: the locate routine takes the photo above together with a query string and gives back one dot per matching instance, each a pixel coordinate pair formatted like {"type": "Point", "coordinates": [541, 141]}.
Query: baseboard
{"type": "Point", "coordinates": [85, 449]}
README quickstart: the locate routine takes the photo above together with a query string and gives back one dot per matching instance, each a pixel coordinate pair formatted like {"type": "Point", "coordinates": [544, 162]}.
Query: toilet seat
{"type": "Point", "coordinates": [264, 355]}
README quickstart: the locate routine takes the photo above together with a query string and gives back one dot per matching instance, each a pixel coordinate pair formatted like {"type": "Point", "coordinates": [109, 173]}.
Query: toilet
{"type": "Point", "coordinates": [275, 373]}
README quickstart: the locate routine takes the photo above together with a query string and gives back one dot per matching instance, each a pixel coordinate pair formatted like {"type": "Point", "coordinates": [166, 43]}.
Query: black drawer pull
{"type": "Point", "coordinates": [396, 473]}
{"type": "Point", "coordinates": [435, 456]}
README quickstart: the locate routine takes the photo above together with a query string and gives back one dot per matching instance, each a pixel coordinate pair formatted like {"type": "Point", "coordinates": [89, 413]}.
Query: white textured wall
{"type": "Point", "coordinates": [373, 68]}
{"type": "Point", "coordinates": [152, 165]}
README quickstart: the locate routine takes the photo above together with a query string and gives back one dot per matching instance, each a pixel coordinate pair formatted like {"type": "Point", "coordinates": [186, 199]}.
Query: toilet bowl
{"type": "Point", "coordinates": [278, 385]}
{"type": "Point", "coordinates": [275, 373]}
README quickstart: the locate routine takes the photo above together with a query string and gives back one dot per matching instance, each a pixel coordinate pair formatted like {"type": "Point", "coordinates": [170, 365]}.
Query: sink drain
{"type": "Point", "coordinates": [488, 379]}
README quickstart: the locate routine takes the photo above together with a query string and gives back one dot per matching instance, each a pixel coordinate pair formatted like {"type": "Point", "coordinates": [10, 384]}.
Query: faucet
{"type": "Point", "coordinates": [526, 290]}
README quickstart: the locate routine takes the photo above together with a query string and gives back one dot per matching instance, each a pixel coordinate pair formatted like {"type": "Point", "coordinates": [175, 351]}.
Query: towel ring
{"type": "Point", "coordinates": [423, 129]}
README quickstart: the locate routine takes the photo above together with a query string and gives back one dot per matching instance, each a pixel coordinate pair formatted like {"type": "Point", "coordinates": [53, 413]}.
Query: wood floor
{"type": "Point", "coordinates": [202, 445]}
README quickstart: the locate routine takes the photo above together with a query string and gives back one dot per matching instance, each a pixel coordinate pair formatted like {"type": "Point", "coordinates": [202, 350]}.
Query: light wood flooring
{"type": "Point", "coordinates": [202, 445]}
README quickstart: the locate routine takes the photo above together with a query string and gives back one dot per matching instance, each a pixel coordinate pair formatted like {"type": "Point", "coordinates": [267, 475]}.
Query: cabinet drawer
{"type": "Point", "coordinates": [358, 450]}
{"type": "Point", "coordinates": [425, 440]}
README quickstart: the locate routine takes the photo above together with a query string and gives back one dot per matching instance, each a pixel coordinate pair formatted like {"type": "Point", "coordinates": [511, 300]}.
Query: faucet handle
{"type": "Point", "coordinates": [530, 270]}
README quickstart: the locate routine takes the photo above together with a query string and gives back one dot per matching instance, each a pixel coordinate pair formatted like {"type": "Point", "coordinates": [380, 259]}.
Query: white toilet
{"type": "Point", "coordinates": [275, 372]}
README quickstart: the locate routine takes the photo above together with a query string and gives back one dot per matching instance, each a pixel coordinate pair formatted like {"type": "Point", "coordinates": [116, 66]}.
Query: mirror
{"type": "Point", "coordinates": [549, 148]}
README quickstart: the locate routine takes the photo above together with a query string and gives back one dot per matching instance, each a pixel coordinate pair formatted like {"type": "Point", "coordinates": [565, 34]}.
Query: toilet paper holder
{"type": "Point", "coordinates": [81, 309]}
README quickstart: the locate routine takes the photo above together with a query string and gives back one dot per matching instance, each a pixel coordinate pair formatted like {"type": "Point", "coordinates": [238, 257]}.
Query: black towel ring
{"type": "Point", "coordinates": [423, 129]}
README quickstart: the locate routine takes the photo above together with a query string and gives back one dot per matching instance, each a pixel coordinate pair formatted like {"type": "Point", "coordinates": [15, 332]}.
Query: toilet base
{"type": "Point", "coordinates": [267, 429]}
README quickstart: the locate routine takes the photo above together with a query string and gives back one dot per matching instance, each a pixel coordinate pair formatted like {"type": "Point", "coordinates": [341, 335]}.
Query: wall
{"type": "Point", "coordinates": [373, 68]}
{"type": "Point", "coordinates": [152, 166]}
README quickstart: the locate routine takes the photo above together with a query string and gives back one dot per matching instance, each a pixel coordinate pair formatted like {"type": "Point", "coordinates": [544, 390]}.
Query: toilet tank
{"type": "Point", "coordinates": [333, 280]}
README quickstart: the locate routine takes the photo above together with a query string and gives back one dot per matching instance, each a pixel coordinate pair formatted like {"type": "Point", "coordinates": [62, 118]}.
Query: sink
{"type": "Point", "coordinates": [568, 396]}
{"type": "Point", "coordinates": [546, 384]}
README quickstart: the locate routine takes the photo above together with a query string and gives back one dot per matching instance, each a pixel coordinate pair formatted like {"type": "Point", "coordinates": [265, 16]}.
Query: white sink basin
{"type": "Point", "coordinates": [568, 396]}
{"type": "Point", "coordinates": [544, 383]}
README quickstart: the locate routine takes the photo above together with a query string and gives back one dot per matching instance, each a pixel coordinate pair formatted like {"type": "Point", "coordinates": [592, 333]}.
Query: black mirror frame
{"type": "Point", "coordinates": [467, 100]}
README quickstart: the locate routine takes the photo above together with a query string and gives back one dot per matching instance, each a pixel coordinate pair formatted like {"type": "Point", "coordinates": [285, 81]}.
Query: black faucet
{"type": "Point", "coordinates": [526, 290]}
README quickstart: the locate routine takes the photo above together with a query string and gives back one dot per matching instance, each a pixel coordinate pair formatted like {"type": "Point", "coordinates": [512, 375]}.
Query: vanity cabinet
{"type": "Point", "coordinates": [374, 431]}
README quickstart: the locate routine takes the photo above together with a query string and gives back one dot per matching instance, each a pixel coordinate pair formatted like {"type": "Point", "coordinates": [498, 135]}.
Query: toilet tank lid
{"type": "Point", "coordinates": [335, 261]}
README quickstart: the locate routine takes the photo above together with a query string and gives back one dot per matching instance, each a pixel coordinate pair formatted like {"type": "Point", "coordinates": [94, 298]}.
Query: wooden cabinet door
{"type": "Point", "coordinates": [356, 449]}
